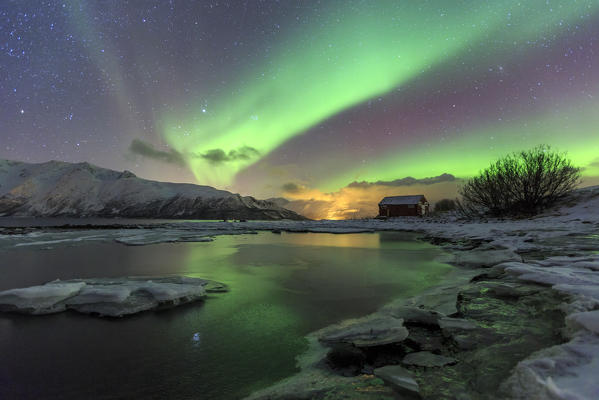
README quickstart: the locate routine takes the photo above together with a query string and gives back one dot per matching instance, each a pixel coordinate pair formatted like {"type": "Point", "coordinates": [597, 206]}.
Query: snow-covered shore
{"type": "Point", "coordinates": [558, 251]}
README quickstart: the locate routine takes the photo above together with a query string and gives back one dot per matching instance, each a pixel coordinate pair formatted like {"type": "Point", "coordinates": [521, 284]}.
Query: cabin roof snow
{"type": "Point", "coordinates": [393, 200]}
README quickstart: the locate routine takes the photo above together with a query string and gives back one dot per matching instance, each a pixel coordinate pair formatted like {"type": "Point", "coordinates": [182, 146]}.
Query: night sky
{"type": "Point", "coordinates": [330, 103]}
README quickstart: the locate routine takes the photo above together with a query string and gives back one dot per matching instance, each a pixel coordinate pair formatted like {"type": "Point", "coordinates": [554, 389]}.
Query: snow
{"type": "Point", "coordinates": [401, 200]}
{"type": "Point", "coordinates": [101, 294]}
{"type": "Point", "coordinates": [588, 320]}
{"type": "Point", "coordinates": [171, 291]}
{"type": "Point", "coordinates": [44, 299]}
{"type": "Point", "coordinates": [567, 372]}
{"type": "Point", "coordinates": [104, 296]}
{"type": "Point", "coordinates": [64, 189]}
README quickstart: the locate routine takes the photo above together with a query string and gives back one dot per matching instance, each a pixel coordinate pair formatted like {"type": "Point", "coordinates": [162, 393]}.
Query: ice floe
{"type": "Point", "coordinates": [106, 296]}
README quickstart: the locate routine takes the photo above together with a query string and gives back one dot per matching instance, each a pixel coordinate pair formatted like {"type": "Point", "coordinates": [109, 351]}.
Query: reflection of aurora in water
{"type": "Point", "coordinates": [282, 287]}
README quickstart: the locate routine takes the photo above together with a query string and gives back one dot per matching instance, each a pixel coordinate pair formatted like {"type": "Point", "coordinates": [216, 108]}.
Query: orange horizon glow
{"type": "Point", "coordinates": [356, 202]}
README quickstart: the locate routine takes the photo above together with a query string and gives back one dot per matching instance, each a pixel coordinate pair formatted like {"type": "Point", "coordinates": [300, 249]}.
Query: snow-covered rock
{"type": "Point", "coordinates": [483, 258]}
{"type": "Point", "coordinates": [455, 324]}
{"type": "Point", "coordinates": [564, 372]}
{"type": "Point", "coordinates": [400, 379]}
{"type": "Point", "coordinates": [373, 330]}
{"type": "Point", "coordinates": [83, 190]}
{"type": "Point", "coordinates": [413, 315]}
{"type": "Point", "coordinates": [588, 320]}
{"type": "Point", "coordinates": [106, 296]}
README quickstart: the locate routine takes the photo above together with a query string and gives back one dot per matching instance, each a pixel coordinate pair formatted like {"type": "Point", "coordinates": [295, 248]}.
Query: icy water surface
{"type": "Point", "coordinates": [281, 288]}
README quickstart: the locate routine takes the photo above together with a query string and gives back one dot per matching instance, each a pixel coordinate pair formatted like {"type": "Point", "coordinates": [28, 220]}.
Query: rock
{"type": "Point", "coordinates": [400, 379]}
{"type": "Point", "coordinates": [105, 296]}
{"type": "Point", "coordinates": [346, 359]}
{"type": "Point", "coordinates": [592, 265]}
{"type": "Point", "coordinates": [507, 289]}
{"type": "Point", "coordinates": [591, 292]}
{"type": "Point", "coordinates": [588, 320]}
{"type": "Point", "coordinates": [465, 342]}
{"type": "Point", "coordinates": [456, 324]}
{"type": "Point", "coordinates": [443, 298]}
{"type": "Point", "coordinates": [425, 338]}
{"type": "Point", "coordinates": [440, 299]}
{"type": "Point", "coordinates": [373, 330]}
{"type": "Point", "coordinates": [414, 315]}
{"type": "Point", "coordinates": [484, 258]}
{"type": "Point", "coordinates": [491, 273]}
{"type": "Point", "coordinates": [565, 371]}
{"type": "Point", "coordinates": [427, 359]}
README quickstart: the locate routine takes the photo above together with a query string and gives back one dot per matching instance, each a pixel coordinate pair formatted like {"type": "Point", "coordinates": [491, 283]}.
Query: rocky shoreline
{"type": "Point", "coordinates": [520, 322]}
{"type": "Point", "coordinates": [460, 339]}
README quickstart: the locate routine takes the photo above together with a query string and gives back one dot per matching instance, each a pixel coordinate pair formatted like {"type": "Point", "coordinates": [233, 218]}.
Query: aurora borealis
{"type": "Point", "coordinates": [263, 97]}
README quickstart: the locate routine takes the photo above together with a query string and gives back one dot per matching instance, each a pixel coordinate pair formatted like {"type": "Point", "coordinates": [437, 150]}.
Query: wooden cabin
{"type": "Point", "coordinates": [403, 206]}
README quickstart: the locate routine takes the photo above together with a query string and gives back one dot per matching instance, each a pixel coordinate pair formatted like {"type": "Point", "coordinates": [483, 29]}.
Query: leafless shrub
{"type": "Point", "coordinates": [445, 205]}
{"type": "Point", "coordinates": [522, 183]}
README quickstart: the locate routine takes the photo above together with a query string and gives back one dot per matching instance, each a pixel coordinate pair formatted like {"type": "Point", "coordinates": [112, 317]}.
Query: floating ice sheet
{"type": "Point", "coordinates": [105, 296]}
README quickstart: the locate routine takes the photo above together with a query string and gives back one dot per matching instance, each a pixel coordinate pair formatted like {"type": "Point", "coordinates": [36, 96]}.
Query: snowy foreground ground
{"type": "Point", "coordinates": [558, 250]}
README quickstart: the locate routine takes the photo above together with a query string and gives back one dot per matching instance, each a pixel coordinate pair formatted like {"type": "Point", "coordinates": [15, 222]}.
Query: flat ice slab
{"type": "Point", "coordinates": [112, 297]}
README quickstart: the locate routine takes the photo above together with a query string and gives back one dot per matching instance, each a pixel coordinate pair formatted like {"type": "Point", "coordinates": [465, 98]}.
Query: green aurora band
{"type": "Point", "coordinates": [351, 56]}
{"type": "Point", "coordinates": [575, 130]}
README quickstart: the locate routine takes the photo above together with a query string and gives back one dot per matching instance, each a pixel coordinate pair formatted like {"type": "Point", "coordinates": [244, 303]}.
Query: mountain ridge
{"type": "Point", "coordinates": [62, 189]}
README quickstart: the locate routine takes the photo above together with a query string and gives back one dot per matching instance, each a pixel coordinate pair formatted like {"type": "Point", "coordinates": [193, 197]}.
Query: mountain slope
{"type": "Point", "coordinates": [57, 188]}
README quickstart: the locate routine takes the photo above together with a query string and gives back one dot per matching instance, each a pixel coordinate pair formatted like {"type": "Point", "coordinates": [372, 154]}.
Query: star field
{"type": "Point", "coordinates": [254, 95]}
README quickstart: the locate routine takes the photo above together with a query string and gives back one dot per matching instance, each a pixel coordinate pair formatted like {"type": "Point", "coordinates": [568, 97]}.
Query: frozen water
{"type": "Point", "coordinates": [105, 297]}
{"type": "Point", "coordinates": [44, 299]}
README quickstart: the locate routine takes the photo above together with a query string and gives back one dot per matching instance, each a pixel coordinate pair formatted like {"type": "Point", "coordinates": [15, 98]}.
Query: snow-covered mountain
{"type": "Point", "coordinates": [55, 188]}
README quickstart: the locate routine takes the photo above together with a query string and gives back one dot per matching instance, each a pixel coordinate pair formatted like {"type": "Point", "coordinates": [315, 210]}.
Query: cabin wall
{"type": "Point", "coordinates": [403, 210]}
{"type": "Point", "coordinates": [398, 210]}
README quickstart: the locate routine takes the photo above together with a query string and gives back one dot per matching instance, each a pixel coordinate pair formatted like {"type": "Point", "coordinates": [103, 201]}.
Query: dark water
{"type": "Point", "coordinates": [282, 287]}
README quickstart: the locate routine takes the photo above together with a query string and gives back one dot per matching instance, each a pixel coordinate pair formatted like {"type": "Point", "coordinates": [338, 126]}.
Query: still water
{"type": "Point", "coordinates": [281, 288]}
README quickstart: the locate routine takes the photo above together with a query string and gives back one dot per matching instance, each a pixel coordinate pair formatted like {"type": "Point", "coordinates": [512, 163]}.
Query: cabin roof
{"type": "Point", "coordinates": [395, 200]}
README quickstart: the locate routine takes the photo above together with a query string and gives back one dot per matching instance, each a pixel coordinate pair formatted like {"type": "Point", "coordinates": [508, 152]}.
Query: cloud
{"type": "Point", "coordinates": [147, 150]}
{"type": "Point", "coordinates": [219, 156]}
{"type": "Point", "coordinates": [291, 187]}
{"type": "Point", "coordinates": [408, 181]}
{"type": "Point", "coordinates": [590, 169]}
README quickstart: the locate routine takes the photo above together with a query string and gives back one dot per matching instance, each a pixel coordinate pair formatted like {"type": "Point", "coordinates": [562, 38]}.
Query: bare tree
{"type": "Point", "coordinates": [522, 183]}
{"type": "Point", "coordinates": [445, 205]}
